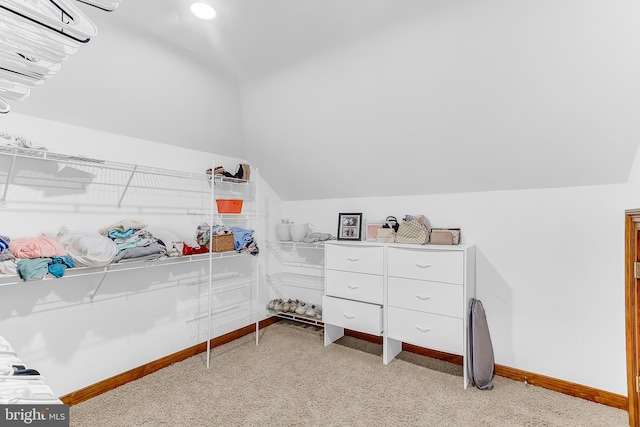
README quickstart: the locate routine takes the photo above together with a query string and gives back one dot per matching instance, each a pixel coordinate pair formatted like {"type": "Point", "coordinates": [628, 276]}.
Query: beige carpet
{"type": "Point", "coordinates": [291, 379]}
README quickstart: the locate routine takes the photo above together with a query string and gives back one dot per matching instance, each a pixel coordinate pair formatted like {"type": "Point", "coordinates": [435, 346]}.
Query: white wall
{"type": "Point", "coordinates": [633, 189]}
{"type": "Point", "coordinates": [550, 271]}
{"type": "Point", "coordinates": [136, 317]}
{"type": "Point", "coordinates": [127, 82]}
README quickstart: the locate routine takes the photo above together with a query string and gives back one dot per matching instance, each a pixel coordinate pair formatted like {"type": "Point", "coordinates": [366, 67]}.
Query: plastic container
{"type": "Point", "coordinates": [229, 206]}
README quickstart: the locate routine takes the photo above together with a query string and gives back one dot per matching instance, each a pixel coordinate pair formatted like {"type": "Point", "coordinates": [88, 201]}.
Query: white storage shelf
{"type": "Point", "coordinates": [39, 182]}
{"type": "Point", "coordinates": [31, 179]}
{"type": "Point", "coordinates": [292, 286]}
{"type": "Point", "coordinates": [228, 301]}
{"type": "Point", "coordinates": [298, 254]}
{"type": "Point", "coordinates": [12, 279]}
{"type": "Point", "coordinates": [307, 286]}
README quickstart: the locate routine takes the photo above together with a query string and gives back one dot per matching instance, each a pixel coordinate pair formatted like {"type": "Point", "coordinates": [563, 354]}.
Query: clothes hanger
{"type": "Point", "coordinates": [35, 68]}
{"type": "Point", "coordinates": [35, 37]}
{"type": "Point", "coordinates": [59, 16]}
{"type": "Point", "coordinates": [20, 36]}
{"type": "Point", "coordinates": [106, 5]}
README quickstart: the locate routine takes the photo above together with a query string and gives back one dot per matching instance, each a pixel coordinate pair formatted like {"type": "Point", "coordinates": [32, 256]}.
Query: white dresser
{"type": "Point", "coordinates": [417, 294]}
{"type": "Point", "coordinates": [354, 289]}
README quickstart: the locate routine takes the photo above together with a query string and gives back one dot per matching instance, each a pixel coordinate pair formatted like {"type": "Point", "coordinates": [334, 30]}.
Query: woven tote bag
{"type": "Point", "coordinates": [414, 231]}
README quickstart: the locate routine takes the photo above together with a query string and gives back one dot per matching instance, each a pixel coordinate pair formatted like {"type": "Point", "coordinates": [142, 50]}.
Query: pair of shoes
{"type": "Point", "coordinates": [311, 312]}
{"type": "Point", "coordinates": [301, 309]}
{"type": "Point", "coordinates": [275, 305]}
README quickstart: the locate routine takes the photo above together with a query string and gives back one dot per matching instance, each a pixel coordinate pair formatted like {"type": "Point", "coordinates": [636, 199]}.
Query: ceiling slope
{"type": "Point", "coordinates": [370, 97]}
{"type": "Point", "coordinates": [477, 96]}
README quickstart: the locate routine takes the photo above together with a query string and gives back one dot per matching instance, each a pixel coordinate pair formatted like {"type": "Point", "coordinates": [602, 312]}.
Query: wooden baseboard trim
{"type": "Point", "coordinates": [453, 358]}
{"type": "Point", "coordinates": [553, 384]}
{"type": "Point", "coordinates": [361, 335]}
{"type": "Point", "coordinates": [434, 354]}
{"type": "Point", "coordinates": [566, 387]}
{"type": "Point", "coordinates": [94, 390]}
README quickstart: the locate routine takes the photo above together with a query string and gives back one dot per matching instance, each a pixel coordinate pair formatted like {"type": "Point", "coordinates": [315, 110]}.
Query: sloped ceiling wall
{"type": "Point", "coordinates": [130, 81]}
{"type": "Point", "coordinates": [475, 96]}
{"type": "Point", "coordinates": [370, 97]}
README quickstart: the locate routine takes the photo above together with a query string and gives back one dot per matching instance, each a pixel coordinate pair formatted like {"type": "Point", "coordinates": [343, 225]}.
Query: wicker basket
{"type": "Point", "coordinates": [222, 243]}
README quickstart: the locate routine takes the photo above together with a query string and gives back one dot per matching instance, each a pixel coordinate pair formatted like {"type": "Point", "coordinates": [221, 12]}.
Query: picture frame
{"type": "Point", "coordinates": [350, 226]}
{"type": "Point", "coordinates": [372, 231]}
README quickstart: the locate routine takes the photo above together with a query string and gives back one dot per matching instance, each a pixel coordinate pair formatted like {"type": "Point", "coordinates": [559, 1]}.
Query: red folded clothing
{"type": "Point", "coordinates": [188, 250]}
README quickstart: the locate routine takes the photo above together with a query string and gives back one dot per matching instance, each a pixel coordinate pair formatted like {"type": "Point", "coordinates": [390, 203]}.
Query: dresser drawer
{"type": "Point", "coordinates": [437, 266]}
{"type": "Point", "coordinates": [355, 286]}
{"type": "Point", "coordinates": [426, 330]}
{"type": "Point", "coordinates": [358, 259]}
{"type": "Point", "coordinates": [358, 316]}
{"type": "Point", "coordinates": [430, 297]}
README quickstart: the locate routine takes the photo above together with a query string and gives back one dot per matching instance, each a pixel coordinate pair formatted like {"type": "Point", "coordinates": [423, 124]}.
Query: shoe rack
{"type": "Point", "coordinates": [300, 286]}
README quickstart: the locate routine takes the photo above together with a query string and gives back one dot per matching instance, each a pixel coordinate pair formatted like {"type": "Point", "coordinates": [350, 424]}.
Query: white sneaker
{"type": "Point", "coordinates": [311, 312]}
{"type": "Point", "coordinates": [302, 309]}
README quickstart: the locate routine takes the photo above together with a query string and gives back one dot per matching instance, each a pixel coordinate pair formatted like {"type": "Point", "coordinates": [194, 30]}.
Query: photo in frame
{"type": "Point", "coordinates": [349, 226]}
{"type": "Point", "coordinates": [372, 231]}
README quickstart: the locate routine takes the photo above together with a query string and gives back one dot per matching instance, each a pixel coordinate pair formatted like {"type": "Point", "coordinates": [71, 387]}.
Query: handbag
{"type": "Point", "coordinates": [445, 236]}
{"type": "Point", "coordinates": [391, 222]}
{"type": "Point", "coordinates": [386, 235]}
{"type": "Point", "coordinates": [414, 231]}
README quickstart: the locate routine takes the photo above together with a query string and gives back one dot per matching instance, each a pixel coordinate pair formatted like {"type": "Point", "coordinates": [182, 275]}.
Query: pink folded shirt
{"type": "Point", "coordinates": [37, 247]}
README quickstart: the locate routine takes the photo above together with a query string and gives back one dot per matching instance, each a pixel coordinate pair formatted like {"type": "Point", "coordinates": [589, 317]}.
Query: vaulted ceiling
{"type": "Point", "coordinates": [348, 98]}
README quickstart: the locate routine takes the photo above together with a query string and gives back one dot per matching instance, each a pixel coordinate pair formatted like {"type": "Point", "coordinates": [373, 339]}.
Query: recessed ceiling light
{"type": "Point", "coordinates": [203, 11]}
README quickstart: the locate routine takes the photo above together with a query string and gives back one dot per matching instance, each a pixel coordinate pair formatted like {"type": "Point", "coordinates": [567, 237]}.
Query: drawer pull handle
{"type": "Point", "coordinates": [353, 286]}
{"type": "Point", "coordinates": [423, 265]}
{"type": "Point", "coordinates": [423, 329]}
{"type": "Point", "coordinates": [423, 298]}
{"type": "Point", "coordinates": [353, 259]}
{"type": "Point", "coordinates": [348, 316]}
